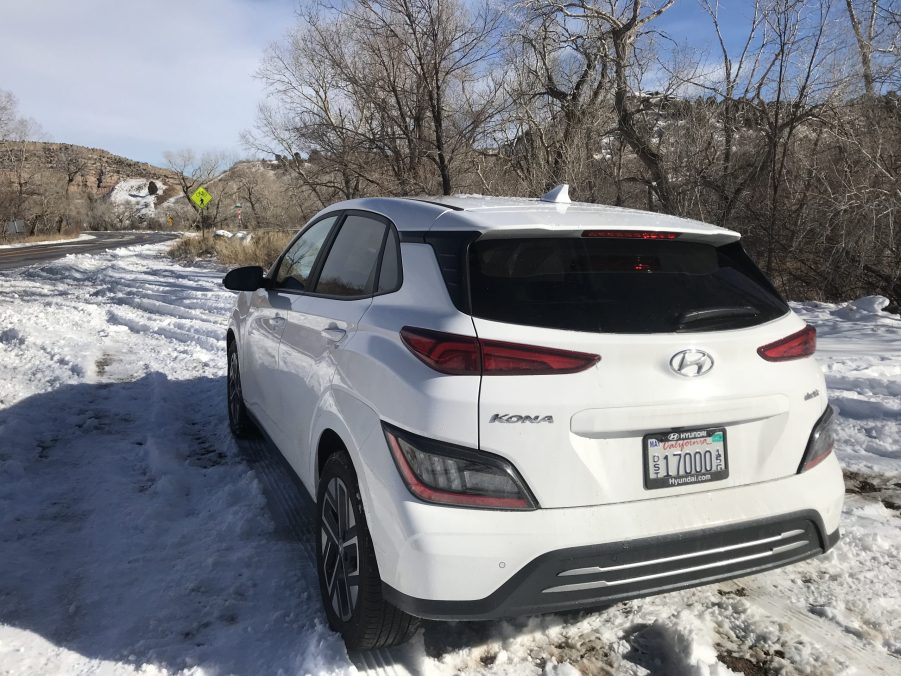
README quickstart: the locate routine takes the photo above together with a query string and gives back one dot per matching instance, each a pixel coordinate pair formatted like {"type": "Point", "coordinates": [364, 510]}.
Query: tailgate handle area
{"type": "Point", "coordinates": [601, 422]}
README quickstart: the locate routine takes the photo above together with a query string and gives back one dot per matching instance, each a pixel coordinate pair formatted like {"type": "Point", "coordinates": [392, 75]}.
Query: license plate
{"type": "Point", "coordinates": [685, 458]}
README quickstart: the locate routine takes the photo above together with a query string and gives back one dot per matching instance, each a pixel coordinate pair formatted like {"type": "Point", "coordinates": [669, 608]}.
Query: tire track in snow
{"type": "Point", "coordinates": [819, 631]}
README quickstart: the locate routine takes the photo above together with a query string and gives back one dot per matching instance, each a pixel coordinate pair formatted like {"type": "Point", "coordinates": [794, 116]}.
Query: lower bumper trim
{"type": "Point", "coordinates": [598, 576]}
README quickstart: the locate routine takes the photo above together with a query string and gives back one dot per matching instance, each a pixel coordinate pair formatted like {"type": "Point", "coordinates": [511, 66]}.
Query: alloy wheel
{"type": "Point", "coordinates": [340, 549]}
{"type": "Point", "coordinates": [234, 388]}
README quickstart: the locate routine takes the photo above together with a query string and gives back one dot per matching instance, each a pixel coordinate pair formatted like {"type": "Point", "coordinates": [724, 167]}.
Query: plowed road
{"type": "Point", "coordinates": [38, 253]}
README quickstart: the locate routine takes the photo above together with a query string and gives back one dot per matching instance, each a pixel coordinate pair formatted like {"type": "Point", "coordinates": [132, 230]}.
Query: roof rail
{"type": "Point", "coordinates": [436, 203]}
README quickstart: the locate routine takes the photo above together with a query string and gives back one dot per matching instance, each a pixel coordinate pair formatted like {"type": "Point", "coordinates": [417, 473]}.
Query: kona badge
{"type": "Point", "coordinates": [507, 418]}
{"type": "Point", "coordinates": [691, 363]}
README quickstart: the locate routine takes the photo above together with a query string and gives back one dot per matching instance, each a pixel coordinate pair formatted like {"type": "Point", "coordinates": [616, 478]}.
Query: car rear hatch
{"type": "Point", "coordinates": [680, 400]}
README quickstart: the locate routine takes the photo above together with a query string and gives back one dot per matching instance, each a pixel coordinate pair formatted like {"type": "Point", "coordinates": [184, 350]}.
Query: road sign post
{"type": "Point", "coordinates": [201, 197]}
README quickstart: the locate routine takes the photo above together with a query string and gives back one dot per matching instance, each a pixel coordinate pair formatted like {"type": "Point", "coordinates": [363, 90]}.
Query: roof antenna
{"type": "Point", "coordinates": [558, 194]}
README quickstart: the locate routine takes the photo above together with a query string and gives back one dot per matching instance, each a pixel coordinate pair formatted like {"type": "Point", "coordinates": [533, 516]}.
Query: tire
{"type": "Point", "coordinates": [345, 560]}
{"type": "Point", "coordinates": [238, 418]}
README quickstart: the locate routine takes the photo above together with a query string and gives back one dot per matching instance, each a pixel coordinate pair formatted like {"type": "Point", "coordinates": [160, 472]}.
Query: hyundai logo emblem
{"type": "Point", "coordinates": [691, 363]}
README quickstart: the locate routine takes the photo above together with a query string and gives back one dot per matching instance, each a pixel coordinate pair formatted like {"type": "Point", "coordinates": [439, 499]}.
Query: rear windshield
{"type": "Point", "coordinates": [619, 285]}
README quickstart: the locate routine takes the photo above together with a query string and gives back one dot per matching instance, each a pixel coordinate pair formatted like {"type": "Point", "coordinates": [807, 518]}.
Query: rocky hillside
{"type": "Point", "coordinates": [54, 186]}
{"type": "Point", "coordinates": [93, 170]}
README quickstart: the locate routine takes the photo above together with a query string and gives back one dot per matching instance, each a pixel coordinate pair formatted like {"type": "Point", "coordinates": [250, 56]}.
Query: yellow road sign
{"type": "Point", "coordinates": [201, 197]}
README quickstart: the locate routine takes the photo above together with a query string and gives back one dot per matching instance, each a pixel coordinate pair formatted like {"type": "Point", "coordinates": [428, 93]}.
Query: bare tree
{"type": "Point", "coordinates": [413, 88]}
{"type": "Point", "coordinates": [14, 134]}
{"type": "Point", "coordinates": [72, 162]}
{"type": "Point", "coordinates": [195, 170]}
{"type": "Point", "coordinates": [877, 34]}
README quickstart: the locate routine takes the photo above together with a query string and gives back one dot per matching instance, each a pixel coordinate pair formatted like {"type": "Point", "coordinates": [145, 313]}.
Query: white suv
{"type": "Point", "coordinates": [509, 406]}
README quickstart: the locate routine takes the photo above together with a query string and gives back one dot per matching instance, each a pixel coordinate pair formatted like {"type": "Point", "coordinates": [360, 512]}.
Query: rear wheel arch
{"type": "Point", "coordinates": [330, 443]}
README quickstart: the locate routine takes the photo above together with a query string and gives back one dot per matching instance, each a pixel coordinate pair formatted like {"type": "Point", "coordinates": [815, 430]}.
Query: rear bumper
{"type": "Point", "coordinates": [439, 561]}
{"type": "Point", "coordinates": [599, 575]}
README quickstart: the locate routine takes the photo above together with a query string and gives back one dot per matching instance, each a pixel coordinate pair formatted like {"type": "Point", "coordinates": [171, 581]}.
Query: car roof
{"type": "Point", "coordinates": [496, 216]}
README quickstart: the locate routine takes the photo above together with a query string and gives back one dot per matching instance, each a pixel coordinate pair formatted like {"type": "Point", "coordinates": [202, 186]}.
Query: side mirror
{"type": "Point", "coordinates": [249, 278]}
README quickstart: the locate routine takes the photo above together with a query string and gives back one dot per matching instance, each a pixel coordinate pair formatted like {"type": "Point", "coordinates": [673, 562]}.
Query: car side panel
{"type": "Point", "coordinates": [263, 326]}
{"type": "Point", "coordinates": [377, 378]}
{"type": "Point", "coordinates": [307, 359]}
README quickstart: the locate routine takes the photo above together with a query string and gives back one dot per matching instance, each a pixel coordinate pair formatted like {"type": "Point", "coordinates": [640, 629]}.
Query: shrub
{"type": "Point", "coordinates": [262, 248]}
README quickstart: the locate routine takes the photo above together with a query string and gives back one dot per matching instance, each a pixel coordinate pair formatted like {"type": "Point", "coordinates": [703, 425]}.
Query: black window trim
{"type": "Point", "coordinates": [326, 249]}
{"type": "Point", "coordinates": [400, 266]}
{"type": "Point", "coordinates": [273, 271]}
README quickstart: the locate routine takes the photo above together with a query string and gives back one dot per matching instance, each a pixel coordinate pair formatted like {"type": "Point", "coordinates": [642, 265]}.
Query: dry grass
{"type": "Point", "coordinates": [262, 249]}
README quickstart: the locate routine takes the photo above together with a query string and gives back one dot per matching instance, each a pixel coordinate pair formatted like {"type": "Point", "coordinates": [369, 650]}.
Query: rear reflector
{"type": "Point", "coordinates": [630, 234]}
{"type": "Point", "coordinates": [797, 345]}
{"type": "Point", "coordinates": [464, 355]}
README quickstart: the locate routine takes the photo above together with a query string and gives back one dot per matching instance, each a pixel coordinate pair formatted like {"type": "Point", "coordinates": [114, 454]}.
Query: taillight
{"type": "Point", "coordinates": [446, 474]}
{"type": "Point", "coordinates": [631, 234]}
{"type": "Point", "coordinates": [444, 352]}
{"type": "Point", "coordinates": [464, 355]}
{"type": "Point", "coordinates": [821, 442]}
{"type": "Point", "coordinates": [797, 345]}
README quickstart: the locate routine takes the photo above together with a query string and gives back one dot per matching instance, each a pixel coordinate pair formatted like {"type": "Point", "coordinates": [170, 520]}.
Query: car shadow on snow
{"type": "Point", "coordinates": [132, 530]}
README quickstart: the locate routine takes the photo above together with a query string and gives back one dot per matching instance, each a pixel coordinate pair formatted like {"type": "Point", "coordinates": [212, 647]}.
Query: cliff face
{"type": "Point", "coordinates": [92, 170]}
{"type": "Point", "coordinates": [51, 186]}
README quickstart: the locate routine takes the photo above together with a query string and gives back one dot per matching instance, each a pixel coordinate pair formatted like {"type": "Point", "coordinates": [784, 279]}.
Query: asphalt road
{"type": "Point", "coordinates": [39, 253]}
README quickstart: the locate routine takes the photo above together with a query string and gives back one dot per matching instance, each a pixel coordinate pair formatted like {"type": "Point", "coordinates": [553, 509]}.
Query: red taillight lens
{"type": "Point", "coordinates": [444, 352]}
{"type": "Point", "coordinates": [511, 359]}
{"type": "Point", "coordinates": [630, 234]}
{"type": "Point", "coordinates": [463, 355]}
{"type": "Point", "coordinates": [797, 345]}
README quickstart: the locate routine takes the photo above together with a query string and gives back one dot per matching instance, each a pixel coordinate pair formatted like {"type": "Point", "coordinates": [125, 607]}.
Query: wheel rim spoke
{"type": "Point", "coordinates": [340, 549]}
{"type": "Point", "coordinates": [234, 388]}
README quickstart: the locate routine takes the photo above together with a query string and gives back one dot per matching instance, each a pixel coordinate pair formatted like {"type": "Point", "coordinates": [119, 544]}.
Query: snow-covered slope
{"type": "Point", "coordinates": [135, 536]}
{"type": "Point", "coordinates": [132, 195]}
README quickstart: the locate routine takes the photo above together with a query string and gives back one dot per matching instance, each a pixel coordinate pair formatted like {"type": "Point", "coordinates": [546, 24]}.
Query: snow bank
{"type": "Point", "coordinates": [80, 238]}
{"type": "Point", "coordinates": [859, 346]}
{"type": "Point", "coordinates": [242, 235]}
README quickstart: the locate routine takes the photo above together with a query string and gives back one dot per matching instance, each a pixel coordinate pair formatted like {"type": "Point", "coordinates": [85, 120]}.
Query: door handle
{"type": "Point", "coordinates": [333, 333]}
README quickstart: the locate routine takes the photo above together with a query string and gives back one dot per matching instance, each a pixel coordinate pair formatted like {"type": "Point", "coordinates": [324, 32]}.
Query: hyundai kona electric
{"type": "Point", "coordinates": [508, 406]}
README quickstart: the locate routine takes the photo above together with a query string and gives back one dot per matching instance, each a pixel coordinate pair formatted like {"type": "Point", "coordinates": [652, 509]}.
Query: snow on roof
{"type": "Point", "coordinates": [479, 212]}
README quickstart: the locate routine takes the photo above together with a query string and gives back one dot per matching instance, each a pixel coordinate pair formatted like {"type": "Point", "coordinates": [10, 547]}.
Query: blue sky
{"type": "Point", "coordinates": [139, 78]}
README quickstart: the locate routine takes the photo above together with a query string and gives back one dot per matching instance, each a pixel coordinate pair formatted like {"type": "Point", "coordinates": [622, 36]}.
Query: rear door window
{"type": "Point", "coordinates": [613, 285]}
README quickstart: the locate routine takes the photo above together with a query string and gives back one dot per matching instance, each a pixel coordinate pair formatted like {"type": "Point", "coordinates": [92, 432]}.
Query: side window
{"type": "Point", "coordinates": [295, 268]}
{"type": "Point", "coordinates": [351, 264]}
{"type": "Point", "coordinates": [389, 277]}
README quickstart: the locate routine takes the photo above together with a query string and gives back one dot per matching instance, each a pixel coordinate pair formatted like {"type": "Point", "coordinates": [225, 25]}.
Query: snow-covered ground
{"type": "Point", "coordinates": [135, 536]}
